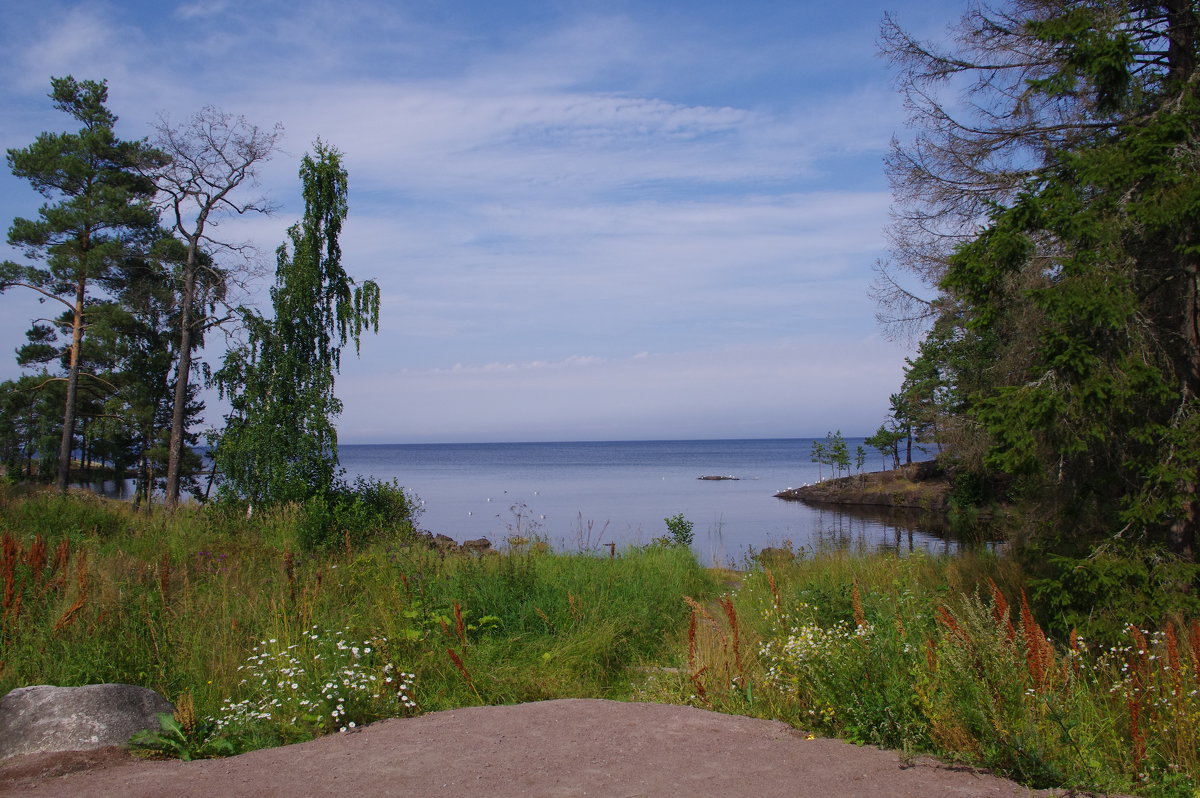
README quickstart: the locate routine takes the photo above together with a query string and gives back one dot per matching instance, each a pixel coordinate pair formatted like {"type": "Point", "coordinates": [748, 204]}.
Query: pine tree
{"type": "Point", "coordinates": [99, 212]}
{"type": "Point", "coordinates": [1072, 314]}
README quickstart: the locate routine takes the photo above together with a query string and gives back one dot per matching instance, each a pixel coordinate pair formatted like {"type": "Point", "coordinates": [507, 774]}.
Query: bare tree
{"type": "Point", "coordinates": [211, 157]}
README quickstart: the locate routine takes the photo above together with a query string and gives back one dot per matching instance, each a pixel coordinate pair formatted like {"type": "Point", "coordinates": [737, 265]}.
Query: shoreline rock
{"type": "Point", "coordinates": [922, 486]}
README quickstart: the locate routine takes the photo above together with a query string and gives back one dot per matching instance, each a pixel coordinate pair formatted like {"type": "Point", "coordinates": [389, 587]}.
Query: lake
{"type": "Point", "coordinates": [586, 494]}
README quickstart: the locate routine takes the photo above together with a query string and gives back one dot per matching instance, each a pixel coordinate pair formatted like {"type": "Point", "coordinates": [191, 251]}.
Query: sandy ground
{"type": "Point", "coordinates": [572, 747]}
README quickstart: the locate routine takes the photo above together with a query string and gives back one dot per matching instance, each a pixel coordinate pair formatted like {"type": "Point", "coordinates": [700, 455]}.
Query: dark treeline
{"type": "Point", "coordinates": [1048, 207]}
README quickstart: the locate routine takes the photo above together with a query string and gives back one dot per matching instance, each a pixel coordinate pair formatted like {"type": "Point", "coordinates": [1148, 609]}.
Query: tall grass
{"type": "Point", "coordinates": [943, 655]}
{"type": "Point", "coordinates": [206, 605]}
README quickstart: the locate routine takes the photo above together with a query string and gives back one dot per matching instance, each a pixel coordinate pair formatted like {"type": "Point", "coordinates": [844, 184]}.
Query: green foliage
{"type": "Point", "coordinates": [929, 656]}
{"type": "Point", "coordinates": [887, 442]}
{"type": "Point", "coordinates": [354, 516]}
{"type": "Point", "coordinates": [279, 443]}
{"type": "Point", "coordinates": [99, 216]}
{"type": "Point", "coordinates": [175, 741]}
{"type": "Point", "coordinates": [321, 683]}
{"type": "Point", "coordinates": [680, 529]}
{"type": "Point", "coordinates": [208, 603]}
{"type": "Point", "coordinates": [1101, 594]}
{"type": "Point", "coordinates": [1064, 360]}
{"type": "Point", "coordinates": [55, 516]}
{"type": "Point", "coordinates": [832, 452]}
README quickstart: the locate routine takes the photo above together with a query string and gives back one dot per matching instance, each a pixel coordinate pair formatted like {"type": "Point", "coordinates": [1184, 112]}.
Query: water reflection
{"type": "Point", "coordinates": [865, 529]}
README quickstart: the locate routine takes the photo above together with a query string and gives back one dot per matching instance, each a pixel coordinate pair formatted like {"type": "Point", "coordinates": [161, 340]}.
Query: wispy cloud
{"type": "Point", "coordinates": [619, 214]}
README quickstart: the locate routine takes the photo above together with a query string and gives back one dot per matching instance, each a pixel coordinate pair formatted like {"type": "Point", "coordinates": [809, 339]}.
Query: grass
{"type": "Point", "coordinates": [943, 656]}
{"type": "Point", "coordinates": [259, 645]}
{"type": "Point", "coordinates": [223, 613]}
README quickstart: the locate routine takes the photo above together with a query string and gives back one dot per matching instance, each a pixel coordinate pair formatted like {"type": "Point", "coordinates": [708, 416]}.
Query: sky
{"type": "Point", "coordinates": [589, 220]}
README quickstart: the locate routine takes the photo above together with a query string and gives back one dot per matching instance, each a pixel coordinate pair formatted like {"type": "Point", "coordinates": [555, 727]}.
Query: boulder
{"type": "Point", "coordinates": [479, 545]}
{"type": "Point", "coordinates": [772, 555]}
{"type": "Point", "coordinates": [44, 719]}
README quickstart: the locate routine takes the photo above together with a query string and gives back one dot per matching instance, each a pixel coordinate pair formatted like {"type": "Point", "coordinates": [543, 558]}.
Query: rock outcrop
{"type": "Point", "coordinates": [44, 718]}
{"type": "Point", "coordinates": [921, 486]}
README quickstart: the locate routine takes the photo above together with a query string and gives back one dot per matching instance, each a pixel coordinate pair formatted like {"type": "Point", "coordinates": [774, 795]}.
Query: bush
{"type": "Point", "coordinates": [680, 530]}
{"type": "Point", "coordinates": [354, 516]}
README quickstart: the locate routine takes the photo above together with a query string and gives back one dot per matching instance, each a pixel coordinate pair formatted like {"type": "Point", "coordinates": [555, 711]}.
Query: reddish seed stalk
{"type": "Point", "coordinates": [1136, 738]}
{"type": "Point", "coordinates": [462, 669]}
{"type": "Point", "coordinates": [1039, 657]}
{"type": "Point", "coordinates": [946, 619]}
{"type": "Point", "coordinates": [62, 556]}
{"type": "Point", "coordinates": [1001, 613]}
{"type": "Point", "coordinates": [460, 628]}
{"type": "Point", "coordinates": [774, 591]}
{"type": "Point", "coordinates": [69, 615]}
{"type": "Point", "coordinates": [36, 558]}
{"type": "Point", "coordinates": [691, 656]}
{"type": "Point", "coordinates": [1194, 645]}
{"type": "Point", "coordinates": [9, 553]}
{"type": "Point", "coordinates": [698, 684]}
{"type": "Point", "coordinates": [731, 614]}
{"type": "Point", "coordinates": [860, 618]}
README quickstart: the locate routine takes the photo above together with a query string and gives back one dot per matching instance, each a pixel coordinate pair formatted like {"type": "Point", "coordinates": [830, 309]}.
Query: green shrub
{"type": "Point", "coordinates": [356, 515]}
{"type": "Point", "coordinates": [680, 530]}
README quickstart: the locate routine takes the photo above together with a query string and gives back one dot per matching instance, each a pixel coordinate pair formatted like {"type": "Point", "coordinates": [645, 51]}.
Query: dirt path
{"type": "Point", "coordinates": [572, 747]}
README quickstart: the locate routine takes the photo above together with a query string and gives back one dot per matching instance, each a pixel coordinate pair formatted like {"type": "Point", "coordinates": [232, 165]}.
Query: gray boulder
{"type": "Point", "coordinates": [43, 718]}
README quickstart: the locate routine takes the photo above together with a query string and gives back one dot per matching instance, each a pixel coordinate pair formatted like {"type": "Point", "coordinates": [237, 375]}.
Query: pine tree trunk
{"type": "Point", "coordinates": [68, 431]}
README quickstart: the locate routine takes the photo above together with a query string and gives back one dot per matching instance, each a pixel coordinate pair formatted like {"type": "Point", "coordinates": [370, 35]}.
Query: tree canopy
{"type": "Point", "coordinates": [1055, 219]}
{"type": "Point", "coordinates": [98, 215]}
{"type": "Point", "coordinates": [280, 443]}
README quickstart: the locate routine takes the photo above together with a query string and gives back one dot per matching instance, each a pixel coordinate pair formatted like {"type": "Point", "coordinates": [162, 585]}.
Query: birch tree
{"type": "Point", "coordinates": [280, 443]}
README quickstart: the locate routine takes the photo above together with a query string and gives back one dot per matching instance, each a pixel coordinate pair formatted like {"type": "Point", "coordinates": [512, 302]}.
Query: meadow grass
{"type": "Point", "coordinates": [942, 655]}
{"type": "Point", "coordinates": [260, 644]}
{"type": "Point", "coordinates": [270, 645]}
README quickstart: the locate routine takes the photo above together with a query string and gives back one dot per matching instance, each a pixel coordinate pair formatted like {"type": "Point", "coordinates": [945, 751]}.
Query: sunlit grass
{"type": "Point", "coordinates": [935, 655]}
{"type": "Point", "coordinates": [181, 603]}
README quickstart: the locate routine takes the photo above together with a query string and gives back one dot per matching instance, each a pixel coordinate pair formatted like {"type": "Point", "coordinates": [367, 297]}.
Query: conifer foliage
{"type": "Point", "coordinates": [98, 216]}
{"type": "Point", "coordinates": [1072, 312]}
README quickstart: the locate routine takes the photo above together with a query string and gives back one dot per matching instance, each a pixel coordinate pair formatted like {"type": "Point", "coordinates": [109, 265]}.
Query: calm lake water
{"type": "Point", "coordinates": [584, 495]}
{"type": "Point", "coordinates": [581, 496]}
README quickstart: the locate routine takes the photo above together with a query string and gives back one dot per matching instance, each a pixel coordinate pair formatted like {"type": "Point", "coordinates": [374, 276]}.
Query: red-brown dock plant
{"type": "Point", "coordinates": [1039, 653]}
{"type": "Point", "coordinates": [35, 558]}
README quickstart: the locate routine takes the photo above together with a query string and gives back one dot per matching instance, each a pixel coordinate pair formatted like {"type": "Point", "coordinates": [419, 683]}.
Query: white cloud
{"type": "Point", "coordinates": [556, 204]}
{"type": "Point", "coordinates": [201, 9]}
{"type": "Point", "coordinates": [787, 387]}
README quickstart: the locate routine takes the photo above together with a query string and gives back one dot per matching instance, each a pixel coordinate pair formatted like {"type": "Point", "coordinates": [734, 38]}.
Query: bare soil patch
{"type": "Point", "coordinates": [572, 747]}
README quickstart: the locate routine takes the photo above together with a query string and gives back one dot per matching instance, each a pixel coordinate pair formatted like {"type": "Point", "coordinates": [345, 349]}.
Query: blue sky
{"type": "Point", "coordinates": [589, 221]}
